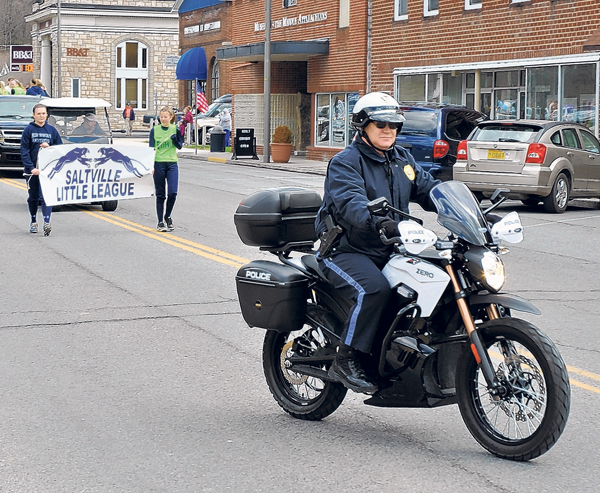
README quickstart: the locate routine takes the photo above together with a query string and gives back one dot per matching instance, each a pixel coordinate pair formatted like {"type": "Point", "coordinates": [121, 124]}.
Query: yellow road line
{"type": "Point", "coordinates": [14, 183]}
{"type": "Point", "coordinates": [189, 246]}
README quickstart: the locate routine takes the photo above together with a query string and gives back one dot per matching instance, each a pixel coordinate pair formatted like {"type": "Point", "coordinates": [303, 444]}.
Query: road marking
{"type": "Point", "coordinates": [169, 239]}
{"type": "Point", "coordinates": [234, 260]}
{"type": "Point", "coordinates": [14, 183]}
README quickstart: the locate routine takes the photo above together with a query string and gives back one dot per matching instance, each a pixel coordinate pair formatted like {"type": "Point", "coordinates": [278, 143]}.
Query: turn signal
{"type": "Point", "coordinates": [536, 153]}
{"type": "Point", "coordinates": [461, 152]}
{"type": "Point", "coordinates": [440, 148]}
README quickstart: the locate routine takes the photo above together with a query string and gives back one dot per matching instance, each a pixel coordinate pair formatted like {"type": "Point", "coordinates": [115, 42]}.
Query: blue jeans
{"type": "Point", "coordinates": [169, 173]}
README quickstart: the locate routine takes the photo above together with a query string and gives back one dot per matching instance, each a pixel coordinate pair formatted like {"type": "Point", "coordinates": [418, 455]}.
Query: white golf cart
{"type": "Point", "coordinates": [82, 121]}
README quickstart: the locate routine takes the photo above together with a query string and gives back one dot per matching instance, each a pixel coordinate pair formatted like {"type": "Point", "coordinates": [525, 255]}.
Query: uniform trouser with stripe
{"type": "Point", "coordinates": [360, 279]}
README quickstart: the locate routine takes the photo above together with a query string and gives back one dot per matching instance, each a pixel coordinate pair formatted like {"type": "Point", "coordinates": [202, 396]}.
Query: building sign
{"type": "Point", "coordinates": [198, 28]}
{"type": "Point", "coordinates": [171, 60]}
{"type": "Point", "coordinates": [78, 51]}
{"type": "Point", "coordinates": [21, 58]}
{"type": "Point", "coordinates": [292, 21]}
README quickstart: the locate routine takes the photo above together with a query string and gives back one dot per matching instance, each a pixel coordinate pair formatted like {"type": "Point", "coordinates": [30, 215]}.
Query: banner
{"type": "Point", "coordinates": [75, 174]}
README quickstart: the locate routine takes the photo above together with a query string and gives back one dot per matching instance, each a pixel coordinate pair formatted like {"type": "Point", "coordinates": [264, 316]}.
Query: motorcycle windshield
{"type": "Point", "coordinates": [459, 212]}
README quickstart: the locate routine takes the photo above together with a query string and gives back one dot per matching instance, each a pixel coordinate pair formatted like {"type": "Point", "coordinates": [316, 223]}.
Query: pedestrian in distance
{"type": "Point", "coordinates": [166, 139]}
{"type": "Point", "coordinates": [129, 116]}
{"type": "Point", "coordinates": [37, 135]}
{"type": "Point", "coordinates": [225, 124]}
{"type": "Point", "coordinates": [188, 119]}
{"type": "Point", "coordinates": [372, 166]}
{"type": "Point", "coordinates": [36, 88]}
{"type": "Point", "coordinates": [16, 88]}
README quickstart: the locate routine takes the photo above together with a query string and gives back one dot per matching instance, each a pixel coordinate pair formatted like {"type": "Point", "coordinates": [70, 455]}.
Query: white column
{"type": "Point", "coordinates": [46, 64]}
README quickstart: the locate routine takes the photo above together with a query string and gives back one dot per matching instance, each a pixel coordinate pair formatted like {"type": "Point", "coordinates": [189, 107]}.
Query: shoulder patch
{"type": "Point", "coordinates": [409, 172]}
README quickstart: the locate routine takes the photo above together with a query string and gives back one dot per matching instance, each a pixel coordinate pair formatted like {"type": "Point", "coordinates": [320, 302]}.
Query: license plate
{"type": "Point", "coordinates": [495, 154]}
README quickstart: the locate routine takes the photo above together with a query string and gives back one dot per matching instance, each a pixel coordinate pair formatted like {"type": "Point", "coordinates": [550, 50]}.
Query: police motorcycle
{"type": "Point", "coordinates": [447, 336]}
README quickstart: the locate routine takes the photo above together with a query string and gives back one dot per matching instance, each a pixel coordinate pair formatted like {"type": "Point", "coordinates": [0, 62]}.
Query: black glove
{"type": "Point", "coordinates": [389, 227]}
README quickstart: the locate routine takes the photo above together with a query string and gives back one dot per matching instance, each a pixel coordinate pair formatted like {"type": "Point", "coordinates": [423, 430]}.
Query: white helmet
{"type": "Point", "coordinates": [376, 106]}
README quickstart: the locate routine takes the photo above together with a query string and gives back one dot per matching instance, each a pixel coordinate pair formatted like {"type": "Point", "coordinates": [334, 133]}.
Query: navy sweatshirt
{"type": "Point", "coordinates": [32, 137]}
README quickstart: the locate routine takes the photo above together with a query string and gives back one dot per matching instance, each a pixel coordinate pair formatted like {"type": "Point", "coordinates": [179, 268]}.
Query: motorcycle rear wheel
{"type": "Point", "coordinates": [527, 421]}
{"type": "Point", "coordinates": [301, 396]}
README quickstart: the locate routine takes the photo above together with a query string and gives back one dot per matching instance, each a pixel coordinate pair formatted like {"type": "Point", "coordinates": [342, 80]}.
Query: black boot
{"type": "Point", "coordinates": [347, 370]}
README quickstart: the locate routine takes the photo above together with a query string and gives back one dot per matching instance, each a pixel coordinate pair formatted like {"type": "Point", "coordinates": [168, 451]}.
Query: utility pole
{"type": "Point", "coordinates": [267, 76]}
{"type": "Point", "coordinates": [58, 93]}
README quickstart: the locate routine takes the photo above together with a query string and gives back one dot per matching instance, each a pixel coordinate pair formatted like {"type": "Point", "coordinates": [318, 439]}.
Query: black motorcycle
{"type": "Point", "coordinates": [447, 336]}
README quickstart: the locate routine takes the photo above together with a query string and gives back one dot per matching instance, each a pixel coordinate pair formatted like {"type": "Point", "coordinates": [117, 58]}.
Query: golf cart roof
{"type": "Point", "coordinates": [75, 103]}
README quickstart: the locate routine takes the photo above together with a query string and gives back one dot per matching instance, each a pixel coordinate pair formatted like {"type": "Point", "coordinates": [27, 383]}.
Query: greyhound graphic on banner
{"type": "Point", "coordinates": [76, 173]}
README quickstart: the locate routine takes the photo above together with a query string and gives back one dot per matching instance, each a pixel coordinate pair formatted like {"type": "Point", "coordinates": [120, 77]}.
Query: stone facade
{"type": "Point", "coordinates": [90, 32]}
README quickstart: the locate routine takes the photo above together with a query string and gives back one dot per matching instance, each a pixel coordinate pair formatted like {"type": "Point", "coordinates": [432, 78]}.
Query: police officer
{"type": "Point", "coordinates": [369, 168]}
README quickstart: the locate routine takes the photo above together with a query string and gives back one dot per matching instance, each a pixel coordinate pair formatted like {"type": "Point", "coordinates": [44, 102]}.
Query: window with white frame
{"type": "Point", "coordinates": [131, 74]}
{"type": "Point", "coordinates": [472, 4]}
{"type": "Point", "coordinates": [430, 7]}
{"type": "Point", "coordinates": [400, 10]}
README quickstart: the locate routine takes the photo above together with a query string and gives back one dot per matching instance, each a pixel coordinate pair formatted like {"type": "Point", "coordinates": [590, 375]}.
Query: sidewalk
{"type": "Point", "coordinates": [296, 163]}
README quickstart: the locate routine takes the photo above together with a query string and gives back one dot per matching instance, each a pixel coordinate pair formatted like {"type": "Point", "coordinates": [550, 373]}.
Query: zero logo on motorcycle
{"type": "Point", "coordinates": [262, 276]}
{"type": "Point", "coordinates": [422, 272]}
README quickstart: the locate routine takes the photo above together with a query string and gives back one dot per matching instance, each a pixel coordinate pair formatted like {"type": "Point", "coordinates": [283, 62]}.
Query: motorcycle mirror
{"type": "Point", "coordinates": [378, 207]}
{"type": "Point", "coordinates": [497, 195]}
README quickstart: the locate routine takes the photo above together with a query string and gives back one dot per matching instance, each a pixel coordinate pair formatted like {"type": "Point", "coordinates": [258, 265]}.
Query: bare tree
{"type": "Point", "coordinates": [13, 29]}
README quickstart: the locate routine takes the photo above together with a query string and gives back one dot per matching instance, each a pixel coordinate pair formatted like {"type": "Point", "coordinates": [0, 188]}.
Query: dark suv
{"type": "Point", "coordinates": [16, 112]}
{"type": "Point", "coordinates": [432, 133]}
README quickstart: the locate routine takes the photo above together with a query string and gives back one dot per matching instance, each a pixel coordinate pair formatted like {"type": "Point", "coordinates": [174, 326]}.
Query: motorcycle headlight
{"type": "Point", "coordinates": [493, 271]}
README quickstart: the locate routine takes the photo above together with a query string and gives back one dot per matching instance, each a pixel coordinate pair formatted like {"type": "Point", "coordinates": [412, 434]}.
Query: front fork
{"type": "Point", "coordinates": [477, 347]}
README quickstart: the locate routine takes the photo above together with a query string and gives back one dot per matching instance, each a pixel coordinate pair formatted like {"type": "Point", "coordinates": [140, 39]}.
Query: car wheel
{"type": "Point", "coordinates": [556, 202]}
{"type": "Point", "coordinates": [531, 201]}
{"type": "Point", "coordinates": [110, 205]}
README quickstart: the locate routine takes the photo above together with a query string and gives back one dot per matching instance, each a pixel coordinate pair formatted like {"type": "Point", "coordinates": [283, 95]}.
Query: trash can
{"type": "Point", "coordinates": [217, 139]}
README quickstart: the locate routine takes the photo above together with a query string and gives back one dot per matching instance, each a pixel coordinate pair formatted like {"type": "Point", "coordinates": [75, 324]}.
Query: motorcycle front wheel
{"type": "Point", "coordinates": [302, 396]}
{"type": "Point", "coordinates": [528, 417]}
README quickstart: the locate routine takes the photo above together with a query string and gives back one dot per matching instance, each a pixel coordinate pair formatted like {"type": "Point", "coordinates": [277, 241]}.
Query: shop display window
{"type": "Point", "coordinates": [333, 116]}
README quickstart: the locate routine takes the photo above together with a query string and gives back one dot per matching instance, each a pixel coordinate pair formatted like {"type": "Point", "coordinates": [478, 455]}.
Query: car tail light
{"type": "Point", "coordinates": [440, 148]}
{"type": "Point", "coordinates": [536, 153]}
{"type": "Point", "coordinates": [461, 151]}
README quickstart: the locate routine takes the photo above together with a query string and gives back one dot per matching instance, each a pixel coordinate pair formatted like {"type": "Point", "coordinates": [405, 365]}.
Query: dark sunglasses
{"type": "Point", "coordinates": [382, 125]}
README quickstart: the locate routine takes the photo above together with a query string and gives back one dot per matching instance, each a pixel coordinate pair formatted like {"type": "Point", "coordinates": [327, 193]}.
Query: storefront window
{"type": "Point", "coordinates": [411, 88]}
{"type": "Point", "coordinates": [434, 89]}
{"type": "Point", "coordinates": [542, 91]}
{"type": "Point", "coordinates": [452, 89]}
{"type": "Point", "coordinates": [334, 112]}
{"type": "Point", "coordinates": [579, 94]}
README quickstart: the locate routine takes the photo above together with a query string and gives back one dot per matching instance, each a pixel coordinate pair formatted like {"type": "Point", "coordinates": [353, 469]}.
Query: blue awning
{"type": "Point", "coordinates": [192, 65]}
{"type": "Point", "coordinates": [190, 5]}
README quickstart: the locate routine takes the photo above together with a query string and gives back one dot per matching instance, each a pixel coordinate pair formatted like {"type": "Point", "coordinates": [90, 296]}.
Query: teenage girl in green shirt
{"type": "Point", "coordinates": [166, 140]}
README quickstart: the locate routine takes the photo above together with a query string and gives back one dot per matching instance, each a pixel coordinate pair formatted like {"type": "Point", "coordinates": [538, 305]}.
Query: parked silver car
{"type": "Point", "coordinates": [536, 160]}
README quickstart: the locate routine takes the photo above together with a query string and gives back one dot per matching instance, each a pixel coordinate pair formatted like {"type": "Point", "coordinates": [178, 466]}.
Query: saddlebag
{"type": "Point", "coordinates": [277, 217]}
{"type": "Point", "coordinates": [272, 296]}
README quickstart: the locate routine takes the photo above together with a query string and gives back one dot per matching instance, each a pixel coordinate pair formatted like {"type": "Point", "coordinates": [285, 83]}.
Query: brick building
{"type": "Point", "coordinates": [118, 50]}
{"type": "Point", "coordinates": [509, 58]}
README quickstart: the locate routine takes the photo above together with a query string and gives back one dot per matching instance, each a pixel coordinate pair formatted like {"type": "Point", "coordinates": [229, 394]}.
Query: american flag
{"type": "Point", "coordinates": [201, 102]}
